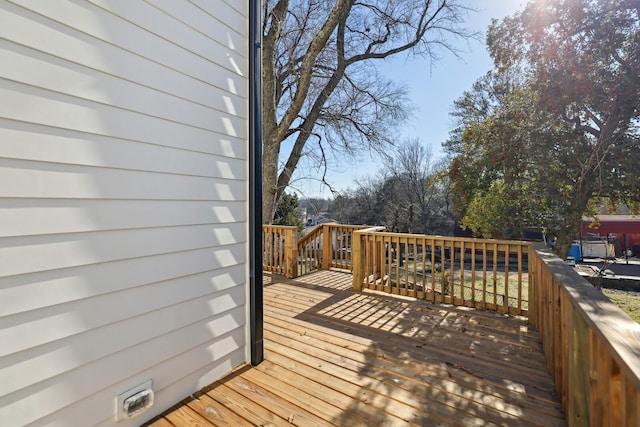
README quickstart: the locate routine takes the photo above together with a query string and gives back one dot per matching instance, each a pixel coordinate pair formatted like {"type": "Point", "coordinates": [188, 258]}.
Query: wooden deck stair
{"type": "Point", "coordinates": [334, 357]}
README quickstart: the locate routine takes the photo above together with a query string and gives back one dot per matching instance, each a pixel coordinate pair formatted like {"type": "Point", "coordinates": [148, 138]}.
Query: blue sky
{"type": "Point", "coordinates": [432, 90]}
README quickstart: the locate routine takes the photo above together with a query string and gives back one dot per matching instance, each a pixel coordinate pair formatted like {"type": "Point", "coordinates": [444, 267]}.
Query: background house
{"type": "Point", "coordinates": [623, 230]}
{"type": "Point", "coordinates": [124, 203]}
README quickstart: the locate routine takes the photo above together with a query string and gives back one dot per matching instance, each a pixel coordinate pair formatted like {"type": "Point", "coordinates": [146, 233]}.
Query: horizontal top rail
{"type": "Point", "coordinates": [617, 331]}
{"type": "Point", "coordinates": [592, 346]}
{"type": "Point", "coordinates": [380, 231]}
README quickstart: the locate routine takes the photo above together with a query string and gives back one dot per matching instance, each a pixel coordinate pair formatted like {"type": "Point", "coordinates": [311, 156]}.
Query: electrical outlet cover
{"type": "Point", "coordinates": [144, 394]}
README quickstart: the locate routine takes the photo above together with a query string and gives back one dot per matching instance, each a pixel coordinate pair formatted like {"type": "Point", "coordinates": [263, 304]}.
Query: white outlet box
{"type": "Point", "coordinates": [134, 401]}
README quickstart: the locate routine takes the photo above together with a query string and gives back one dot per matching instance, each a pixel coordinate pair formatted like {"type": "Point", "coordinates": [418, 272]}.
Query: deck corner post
{"type": "Point", "coordinates": [579, 385]}
{"type": "Point", "coordinates": [291, 253]}
{"type": "Point", "coordinates": [357, 260]}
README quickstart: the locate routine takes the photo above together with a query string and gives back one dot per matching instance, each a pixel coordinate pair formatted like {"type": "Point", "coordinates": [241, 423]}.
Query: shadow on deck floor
{"type": "Point", "coordinates": [338, 358]}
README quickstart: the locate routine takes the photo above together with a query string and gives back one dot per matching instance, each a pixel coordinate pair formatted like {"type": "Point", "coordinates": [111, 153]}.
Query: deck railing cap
{"type": "Point", "coordinates": [614, 327]}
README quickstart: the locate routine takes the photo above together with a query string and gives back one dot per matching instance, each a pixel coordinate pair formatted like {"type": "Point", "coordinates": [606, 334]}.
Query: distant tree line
{"type": "Point", "coordinates": [410, 194]}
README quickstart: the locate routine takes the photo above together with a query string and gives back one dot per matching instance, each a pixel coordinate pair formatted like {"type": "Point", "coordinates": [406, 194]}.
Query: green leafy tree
{"type": "Point", "coordinates": [564, 131]}
{"type": "Point", "coordinates": [287, 213]}
{"type": "Point", "coordinates": [503, 211]}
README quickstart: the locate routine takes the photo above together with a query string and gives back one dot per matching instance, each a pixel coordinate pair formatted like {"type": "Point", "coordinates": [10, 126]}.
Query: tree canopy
{"type": "Point", "coordinates": [321, 90]}
{"type": "Point", "coordinates": [555, 127]}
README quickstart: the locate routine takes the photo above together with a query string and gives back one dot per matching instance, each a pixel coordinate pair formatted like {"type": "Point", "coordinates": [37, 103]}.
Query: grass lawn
{"type": "Point", "coordinates": [628, 301]}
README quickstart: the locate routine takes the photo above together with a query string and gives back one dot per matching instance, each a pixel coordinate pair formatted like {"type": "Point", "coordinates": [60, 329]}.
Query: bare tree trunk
{"type": "Point", "coordinates": [571, 221]}
{"type": "Point", "coordinates": [270, 88]}
{"type": "Point", "coordinates": [584, 188]}
{"type": "Point", "coordinates": [310, 52]}
{"type": "Point", "coordinates": [275, 132]}
{"type": "Point", "coordinates": [563, 244]}
{"type": "Point", "coordinates": [270, 153]}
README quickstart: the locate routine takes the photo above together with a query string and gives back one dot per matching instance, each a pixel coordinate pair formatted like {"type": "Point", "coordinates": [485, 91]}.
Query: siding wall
{"type": "Point", "coordinates": [123, 203]}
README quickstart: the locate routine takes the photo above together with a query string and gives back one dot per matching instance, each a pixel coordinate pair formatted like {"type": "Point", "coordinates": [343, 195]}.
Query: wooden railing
{"type": "Point", "coordinates": [487, 274]}
{"type": "Point", "coordinates": [279, 249]}
{"type": "Point", "coordinates": [310, 251]}
{"type": "Point", "coordinates": [324, 247]}
{"type": "Point", "coordinates": [592, 347]}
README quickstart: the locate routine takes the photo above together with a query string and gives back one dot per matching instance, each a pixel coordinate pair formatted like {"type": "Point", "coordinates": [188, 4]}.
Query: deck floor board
{"type": "Point", "coordinates": [338, 358]}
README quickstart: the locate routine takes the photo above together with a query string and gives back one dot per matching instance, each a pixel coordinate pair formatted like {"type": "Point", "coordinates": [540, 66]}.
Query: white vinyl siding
{"type": "Point", "coordinates": [123, 203]}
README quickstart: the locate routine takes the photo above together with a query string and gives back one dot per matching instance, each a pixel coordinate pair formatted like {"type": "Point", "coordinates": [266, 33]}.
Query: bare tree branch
{"type": "Point", "coordinates": [317, 69]}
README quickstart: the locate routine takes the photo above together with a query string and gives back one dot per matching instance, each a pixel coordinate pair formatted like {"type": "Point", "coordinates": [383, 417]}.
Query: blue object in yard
{"type": "Point", "coordinates": [575, 252]}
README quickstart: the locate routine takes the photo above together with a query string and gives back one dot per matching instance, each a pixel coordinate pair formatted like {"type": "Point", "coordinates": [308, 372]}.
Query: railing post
{"type": "Point", "coordinates": [357, 254]}
{"type": "Point", "coordinates": [578, 401]}
{"type": "Point", "coordinates": [291, 253]}
{"type": "Point", "coordinates": [327, 247]}
{"type": "Point", "coordinates": [532, 287]}
{"type": "Point", "coordinates": [378, 260]}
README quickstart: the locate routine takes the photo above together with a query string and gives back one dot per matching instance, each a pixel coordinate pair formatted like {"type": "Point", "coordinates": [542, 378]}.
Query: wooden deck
{"type": "Point", "coordinates": [338, 358]}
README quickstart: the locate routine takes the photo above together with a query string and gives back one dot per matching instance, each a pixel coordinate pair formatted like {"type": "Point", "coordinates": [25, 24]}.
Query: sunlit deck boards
{"type": "Point", "coordinates": [337, 358]}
